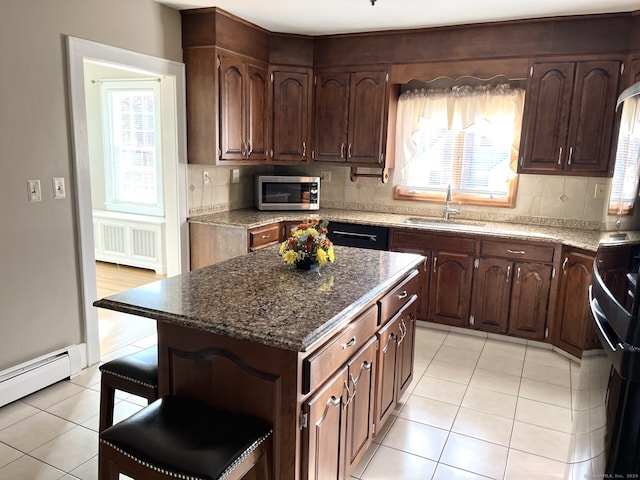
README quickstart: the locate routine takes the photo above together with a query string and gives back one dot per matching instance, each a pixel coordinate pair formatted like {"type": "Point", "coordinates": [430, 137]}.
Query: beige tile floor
{"type": "Point", "coordinates": [477, 408]}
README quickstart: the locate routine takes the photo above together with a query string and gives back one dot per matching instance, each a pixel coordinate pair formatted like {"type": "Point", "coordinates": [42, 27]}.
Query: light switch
{"type": "Point", "coordinates": [34, 191]}
{"type": "Point", "coordinates": [58, 188]}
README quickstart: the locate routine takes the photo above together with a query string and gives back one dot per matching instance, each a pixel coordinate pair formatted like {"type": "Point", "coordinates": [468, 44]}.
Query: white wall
{"type": "Point", "coordinates": [40, 297]}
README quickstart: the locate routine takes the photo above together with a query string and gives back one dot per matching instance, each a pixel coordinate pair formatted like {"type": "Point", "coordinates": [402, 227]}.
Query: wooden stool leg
{"type": "Point", "coordinates": [107, 401]}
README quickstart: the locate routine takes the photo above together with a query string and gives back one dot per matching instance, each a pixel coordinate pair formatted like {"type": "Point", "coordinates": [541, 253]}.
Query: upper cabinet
{"type": "Point", "coordinates": [290, 109]}
{"type": "Point", "coordinates": [569, 118]}
{"type": "Point", "coordinates": [350, 117]}
{"type": "Point", "coordinates": [243, 109]}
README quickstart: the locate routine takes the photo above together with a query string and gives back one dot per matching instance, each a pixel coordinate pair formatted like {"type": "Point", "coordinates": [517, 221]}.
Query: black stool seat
{"type": "Point", "coordinates": [136, 373]}
{"type": "Point", "coordinates": [139, 367]}
{"type": "Point", "coordinates": [186, 439]}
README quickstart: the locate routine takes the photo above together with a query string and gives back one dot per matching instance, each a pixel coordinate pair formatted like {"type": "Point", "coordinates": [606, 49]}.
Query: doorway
{"type": "Point", "coordinates": [174, 178]}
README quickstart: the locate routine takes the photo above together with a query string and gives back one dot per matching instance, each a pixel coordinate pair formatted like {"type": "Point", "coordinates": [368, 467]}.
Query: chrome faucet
{"type": "Point", "coordinates": [448, 210]}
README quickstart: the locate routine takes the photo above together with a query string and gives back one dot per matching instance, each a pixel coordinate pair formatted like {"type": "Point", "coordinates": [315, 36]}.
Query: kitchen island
{"type": "Point", "coordinates": [323, 355]}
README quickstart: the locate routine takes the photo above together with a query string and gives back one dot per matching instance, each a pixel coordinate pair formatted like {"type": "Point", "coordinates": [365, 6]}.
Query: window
{"type": "Point", "coordinates": [624, 185]}
{"type": "Point", "coordinates": [133, 161]}
{"type": "Point", "coordinates": [463, 136]}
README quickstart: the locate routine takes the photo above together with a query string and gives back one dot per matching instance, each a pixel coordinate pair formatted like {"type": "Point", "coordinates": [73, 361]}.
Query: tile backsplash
{"type": "Point", "coordinates": [541, 199]}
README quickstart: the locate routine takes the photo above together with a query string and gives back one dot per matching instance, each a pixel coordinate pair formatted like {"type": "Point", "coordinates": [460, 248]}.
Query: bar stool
{"type": "Point", "coordinates": [176, 437]}
{"type": "Point", "coordinates": [136, 373]}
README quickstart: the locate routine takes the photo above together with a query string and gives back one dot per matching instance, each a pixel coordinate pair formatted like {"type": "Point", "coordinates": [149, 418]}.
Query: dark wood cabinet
{"type": "Point", "coordinates": [350, 117]}
{"type": "Point", "coordinates": [573, 332]}
{"type": "Point", "coordinates": [323, 456]}
{"type": "Point", "coordinates": [569, 117]}
{"type": "Point", "coordinates": [360, 414]}
{"type": "Point", "coordinates": [530, 292]}
{"type": "Point", "coordinates": [243, 110]}
{"type": "Point", "coordinates": [492, 295]}
{"type": "Point", "coordinates": [290, 108]}
{"type": "Point", "coordinates": [450, 288]}
{"type": "Point", "coordinates": [512, 290]}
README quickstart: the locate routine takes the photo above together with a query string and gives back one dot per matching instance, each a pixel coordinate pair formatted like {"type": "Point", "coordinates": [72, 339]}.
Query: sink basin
{"type": "Point", "coordinates": [444, 224]}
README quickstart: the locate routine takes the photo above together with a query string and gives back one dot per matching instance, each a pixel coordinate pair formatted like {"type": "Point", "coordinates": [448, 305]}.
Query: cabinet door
{"type": "Point", "coordinates": [592, 116]}
{"type": "Point", "coordinates": [406, 349]}
{"type": "Point", "coordinates": [360, 403]}
{"type": "Point", "coordinates": [367, 95]}
{"type": "Point", "coordinates": [232, 111]}
{"type": "Point", "coordinates": [491, 295]}
{"type": "Point", "coordinates": [325, 433]}
{"type": "Point", "coordinates": [573, 306]}
{"type": "Point", "coordinates": [331, 117]}
{"type": "Point", "coordinates": [450, 288]}
{"type": "Point", "coordinates": [387, 380]}
{"type": "Point", "coordinates": [546, 117]}
{"type": "Point", "coordinates": [529, 300]}
{"type": "Point", "coordinates": [256, 113]}
{"type": "Point", "coordinates": [290, 116]}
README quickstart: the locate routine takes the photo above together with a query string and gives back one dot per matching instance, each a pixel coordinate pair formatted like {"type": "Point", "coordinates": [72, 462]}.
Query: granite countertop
{"type": "Point", "coordinates": [258, 297]}
{"type": "Point", "coordinates": [574, 237]}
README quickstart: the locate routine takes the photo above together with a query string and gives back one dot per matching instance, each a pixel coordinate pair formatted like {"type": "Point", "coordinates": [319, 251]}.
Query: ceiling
{"type": "Point", "coordinates": [323, 17]}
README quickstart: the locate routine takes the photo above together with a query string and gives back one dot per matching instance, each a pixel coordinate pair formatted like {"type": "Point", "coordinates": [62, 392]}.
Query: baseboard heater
{"type": "Point", "coordinates": [33, 375]}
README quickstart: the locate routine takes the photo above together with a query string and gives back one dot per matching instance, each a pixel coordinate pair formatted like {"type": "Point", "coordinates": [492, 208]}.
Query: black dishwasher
{"type": "Point", "coordinates": [357, 235]}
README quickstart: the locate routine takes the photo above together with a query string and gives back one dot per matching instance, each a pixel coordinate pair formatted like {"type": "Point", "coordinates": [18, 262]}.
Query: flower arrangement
{"type": "Point", "coordinates": [308, 246]}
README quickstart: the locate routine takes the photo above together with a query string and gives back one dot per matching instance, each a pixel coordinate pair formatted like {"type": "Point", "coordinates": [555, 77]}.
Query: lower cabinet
{"type": "Point", "coordinates": [341, 418]}
{"type": "Point", "coordinates": [345, 408]}
{"type": "Point", "coordinates": [450, 288]}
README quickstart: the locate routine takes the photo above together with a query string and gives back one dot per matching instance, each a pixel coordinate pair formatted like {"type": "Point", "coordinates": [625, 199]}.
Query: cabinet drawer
{"type": "Point", "coordinates": [427, 241]}
{"type": "Point", "coordinates": [261, 237]}
{"type": "Point", "coordinates": [330, 357]}
{"type": "Point", "coordinates": [524, 251]}
{"type": "Point", "coordinates": [393, 301]}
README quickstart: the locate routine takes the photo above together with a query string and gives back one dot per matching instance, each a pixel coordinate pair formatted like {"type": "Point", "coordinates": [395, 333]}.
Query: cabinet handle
{"type": "Point", "coordinates": [342, 150]}
{"type": "Point", "coordinates": [304, 149]}
{"type": "Point", "coordinates": [349, 152]}
{"type": "Point", "coordinates": [518, 275]}
{"type": "Point", "coordinates": [570, 155]}
{"type": "Point", "coordinates": [516, 252]}
{"type": "Point", "coordinates": [403, 331]}
{"type": "Point", "coordinates": [392, 338]}
{"type": "Point", "coordinates": [508, 273]}
{"type": "Point", "coordinates": [564, 265]}
{"type": "Point", "coordinates": [350, 343]}
{"type": "Point", "coordinates": [402, 295]}
{"type": "Point", "coordinates": [426, 261]}
{"type": "Point", "coordinates": [560, 156]}
{"type": "Point", "coordinates": [333, 401]}
{"type": "Point", "coordinates": [435, 263]}
{"type": "Point", "coordinates": [349, 394]}
{"type": "Point", "coordinates": [366, 365]}
{"type": "Point", "coordinates": [265, 236]}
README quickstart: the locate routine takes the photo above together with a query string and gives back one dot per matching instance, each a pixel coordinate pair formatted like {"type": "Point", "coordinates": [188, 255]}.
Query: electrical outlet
{"type": "Point", "coordinates": [34, 191]}
{"type": "Point", "coordinates": [235, 175]}
{"type": "Point", "coordinates": [206, 179]}
{"type": "Point", "coordinates": [325, 176]}
{"type": "Point", "coordinates": [58, 188]}
{"type": "Point", "coordinates": [601, 190]}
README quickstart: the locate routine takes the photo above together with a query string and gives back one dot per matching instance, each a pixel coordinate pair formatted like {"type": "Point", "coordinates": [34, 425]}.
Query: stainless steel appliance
{"type": "Point", "coordinates": [283, 192]}
{"type": "Point", "coordinates": [615, 300]}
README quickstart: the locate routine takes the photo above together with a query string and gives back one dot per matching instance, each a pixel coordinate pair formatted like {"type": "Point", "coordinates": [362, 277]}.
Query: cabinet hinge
{"type": "Point", "coordinates": [382, 158]}
{"type": "Point", "coordinates": [553, 272]}
{"type": "Point", "coordinates": [476, 263]}
{"type": "Point", "coordinates": [546, 332]}
{"type": "Point", "coordinates": [621, 69]}
{"type": "Point", "coordinates": [315, 79]}
{"type": "Point", "coordinates": [373, 429]}
{"type": "Point", "coordinates": [387, 77]}
{"type": "Point", "coordinates": [472, 320]}
{"type": "Point", "coordinates": [271, 153]}
{"type": "Point", "coordinates": [271, 77]}
{"type": "Point", "coordinates": [218, 61]}
{"type": "Point", "coordinates": [522, 161]}
{"type": "Point", "coordinates": [531, 71]}
{"type": "Point", "coordinates": [219, 154]}
{"type": "Point", "coordinates": [304, 419]}
{"type": "Point", "coordinates": [313, 154]}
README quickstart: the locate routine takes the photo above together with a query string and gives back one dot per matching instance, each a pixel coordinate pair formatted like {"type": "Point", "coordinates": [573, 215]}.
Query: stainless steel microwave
{"type": "Point", "coordinates": [283, 192]}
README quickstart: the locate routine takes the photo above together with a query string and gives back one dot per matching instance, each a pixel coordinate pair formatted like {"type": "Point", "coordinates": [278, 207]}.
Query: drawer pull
{"type": "Point", "coordinates": [402, 295]}
{"type": "Point", "coordinates": [268, 235]}
{"type": "Point", "coordinates": [350, 343]}
{"type": "Point", "coordinates": [516, 252]}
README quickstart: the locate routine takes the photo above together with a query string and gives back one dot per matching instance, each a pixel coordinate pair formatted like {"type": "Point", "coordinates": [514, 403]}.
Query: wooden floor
{"type": "Point", "coordinates": [117, 330]}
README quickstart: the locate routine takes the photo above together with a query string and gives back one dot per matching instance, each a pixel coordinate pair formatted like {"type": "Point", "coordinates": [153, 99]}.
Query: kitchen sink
{"type": "Point", "coordinates": [445, 224]}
